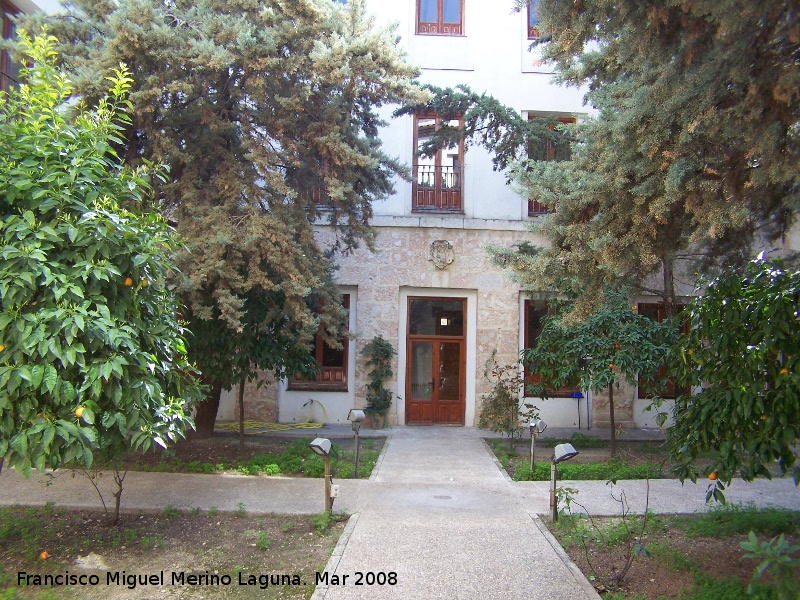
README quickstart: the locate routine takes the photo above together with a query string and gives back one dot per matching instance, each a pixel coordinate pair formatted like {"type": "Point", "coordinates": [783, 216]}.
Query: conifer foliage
{"type": "Point", "coordinates": [266, 114]}
{"type": "Point", "coordinates": [692, 155]}
{"type": "Point", "coordinates": [695, 153]}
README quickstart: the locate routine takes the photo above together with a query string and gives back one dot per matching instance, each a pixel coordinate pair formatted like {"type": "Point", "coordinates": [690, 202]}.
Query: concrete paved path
{"type": "Point", "coordinates": [440, 515]}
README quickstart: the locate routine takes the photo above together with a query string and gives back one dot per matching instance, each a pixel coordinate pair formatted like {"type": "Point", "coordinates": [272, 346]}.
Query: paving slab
{"type": "Point", "coordinates": [667, 496]}
{"type": "Point", "coordinates": [154, 491]}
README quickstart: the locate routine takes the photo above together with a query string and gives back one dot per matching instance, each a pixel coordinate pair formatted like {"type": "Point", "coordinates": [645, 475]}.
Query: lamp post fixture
{"type": "Point", "coordinates": [322, 447]}
{"type": "Point", "coordinates": [537, 426]}
{"type": "Point", "coordinates": [356, 416]}
{"type": "Point", "coordinates": [561, 453]}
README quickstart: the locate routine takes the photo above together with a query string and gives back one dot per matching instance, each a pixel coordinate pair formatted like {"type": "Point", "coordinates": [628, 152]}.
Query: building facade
{"type": "Point", "coordinates": [429, 287]}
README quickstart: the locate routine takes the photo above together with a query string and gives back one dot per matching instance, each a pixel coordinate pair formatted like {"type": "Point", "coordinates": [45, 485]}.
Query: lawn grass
{"type": "Point", "coordinates": [606, 469]}
{"type": "Point", "coordinates": [297, 459]}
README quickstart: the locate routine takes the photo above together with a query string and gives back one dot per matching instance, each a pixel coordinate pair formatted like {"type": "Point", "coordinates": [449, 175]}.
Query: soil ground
{"type": "Point", "coordinates": [234, 546]}
{"type": "Point", "coordinates": [674, 566]}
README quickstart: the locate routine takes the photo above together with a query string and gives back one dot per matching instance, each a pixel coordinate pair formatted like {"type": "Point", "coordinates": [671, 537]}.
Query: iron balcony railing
{"type": "Point", "coordinates": [437, 189]}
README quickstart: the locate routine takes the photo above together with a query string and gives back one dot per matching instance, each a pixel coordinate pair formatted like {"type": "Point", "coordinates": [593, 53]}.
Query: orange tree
{"type": "Point", "coordinates": [92, 355]}
{"type": "Point", "coordinates": [612, 344]}
{"type": "Point", "coordinates": [743, 349]}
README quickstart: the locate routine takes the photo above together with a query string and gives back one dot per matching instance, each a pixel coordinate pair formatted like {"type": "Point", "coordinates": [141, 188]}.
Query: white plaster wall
{"type": "Point", "coordinates": [492, 56]}
{"type": "Point", "coordinates": [643, 418]}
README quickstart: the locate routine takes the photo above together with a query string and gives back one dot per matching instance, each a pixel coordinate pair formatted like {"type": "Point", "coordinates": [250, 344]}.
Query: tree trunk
{"type": "Point", "coordinates": [613, 425]}
{"type": "Point", "coordinates": [118, 479]}
{"type": "Point", "coordinates": [206, 412]}
{"type": "Point", "coordinates": [669, 286]}
{"type": "Point", "coordinates": [241, 415]}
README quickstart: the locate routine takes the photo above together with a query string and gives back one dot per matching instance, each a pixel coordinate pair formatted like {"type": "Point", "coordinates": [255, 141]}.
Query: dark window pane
{"type": "Point", "coordinates": [436, 317]}
{"type": "Point", "coordinates": [331, 357]}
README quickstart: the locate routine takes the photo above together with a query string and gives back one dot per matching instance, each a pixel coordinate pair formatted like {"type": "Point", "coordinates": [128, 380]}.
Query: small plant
{"type": "Point", "coordinates": [263, 542]}
{"type": "Point", "coordinates": [154, 541]}
{"type": "Point", "coordinates": [212, 512]}
{"type": "Point", "coordinates": [240, 509]}
{"type": "Point", "coordinates": [564, 498]}
{"type": "Point", "coordinates": [502, 410]}
{"type": "Point", "coordinates": [776, 558]}
{"type": "Point", "coordinates": [194, 511]}
{"type": "Point", "coordinates": [625, 532]}
{"type": "Point", "coordinates": [287, 526]}
{"type": "Point", "coordinates": [169, 512]}
{"type": "Point", "coordinates": [322, 522]}
{"type": "Point", "coordinates": [379, 353]}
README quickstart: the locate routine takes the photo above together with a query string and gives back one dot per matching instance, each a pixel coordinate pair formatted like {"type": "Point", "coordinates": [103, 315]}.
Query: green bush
{"type": "Point", "coordinates": [92, 354]}
{"type": "Point", "coordinates": [612, 469]}
{"type": "Point", "coordinates": [708, 588]}
{"type": "Point", "coordinates": [730, 519]}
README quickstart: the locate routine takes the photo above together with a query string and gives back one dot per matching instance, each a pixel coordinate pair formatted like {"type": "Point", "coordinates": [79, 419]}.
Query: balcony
{"type": "Point", "coordinates": [436, 189]}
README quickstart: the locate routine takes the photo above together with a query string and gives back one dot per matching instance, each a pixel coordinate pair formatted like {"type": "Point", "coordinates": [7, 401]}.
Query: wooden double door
{"type": "Point", "coordinates": [435, 363]}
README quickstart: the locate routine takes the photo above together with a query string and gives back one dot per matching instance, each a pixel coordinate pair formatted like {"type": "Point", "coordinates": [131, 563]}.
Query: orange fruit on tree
{"type": "Point", "coordinates": [712, 476]}
{"type": "Point", "coordinates": [145, 283]}
{"type": "Point", "coordinates": [43, 555]}
{"type": "Point", "coordinates": [79, 412]}
{"type": "Point", "coordinates": [610, 365]}
{"type": "Point", "coordinates": [784, 371]}
{"type": "Point", "coordinates": [2, 347]}
{"type": "Point", "coordinates": [128, 281]}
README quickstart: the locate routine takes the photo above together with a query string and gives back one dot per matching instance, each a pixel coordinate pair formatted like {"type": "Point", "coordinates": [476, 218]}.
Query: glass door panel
{"type": "Point", "coordinates": [449, 371]}
{"type": "Point", "coordinates": [422, 370]}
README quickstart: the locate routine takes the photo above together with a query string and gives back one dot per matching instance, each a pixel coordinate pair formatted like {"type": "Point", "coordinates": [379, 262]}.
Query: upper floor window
{"type": "Point", "coordinates": [9, 70]}
{"type": "Point", "coordinates": [534, 314]}
{"type": "Point", "coordinates": [547, 150]}
{"type": "Point", "coordinates": [533, 21]}
{"type": "Point", "coordinates": [443, 17]}
{"type": "Point", "coordinates": [437, 179]}
{"type": "Point", "coordinates": [332, 363]}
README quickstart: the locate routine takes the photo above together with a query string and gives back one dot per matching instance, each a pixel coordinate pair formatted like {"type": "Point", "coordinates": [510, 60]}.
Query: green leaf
{"type": "Point", "coordinates": [50, 378]}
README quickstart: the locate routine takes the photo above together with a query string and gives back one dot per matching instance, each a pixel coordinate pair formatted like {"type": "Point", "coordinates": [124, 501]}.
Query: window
{"type": "Point", "coordinates": [533, 21]}
{"type": "Point", "coordinates": [549, 151]}
{"type": "Point", "coordinates": [442, 17]}
{"type": "Point", "coordinates": [9, 70]}
{"type": "Point", "coordinates": [646, 389]}
{"type": "Point", "coordinates": [437, 179]}
{"type": "Point", "coordinates": [533, 328]}
{"type": "Point", "coordinates": [332, 364]}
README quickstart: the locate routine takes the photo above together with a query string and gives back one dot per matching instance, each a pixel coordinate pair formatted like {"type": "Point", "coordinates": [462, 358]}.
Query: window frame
{"type": "Point", "coordinates": [9, 9]}
{"type": "Point", "coordinates": [442, 196]}
{"type": "Point", "coordinates": [439, 27]}
{"type": "Point", "coordinates": [536, 208]}
{"type": "Point", "coordinates": [329, 378]}
{"type": "Point", "coordinates": [565, 391]}
{"type": "Point", "coordinates": [533, 29]}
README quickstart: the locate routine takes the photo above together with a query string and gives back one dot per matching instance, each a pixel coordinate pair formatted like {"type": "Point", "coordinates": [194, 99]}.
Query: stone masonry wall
{"type": "Point", "coordinates": [402, 260]}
